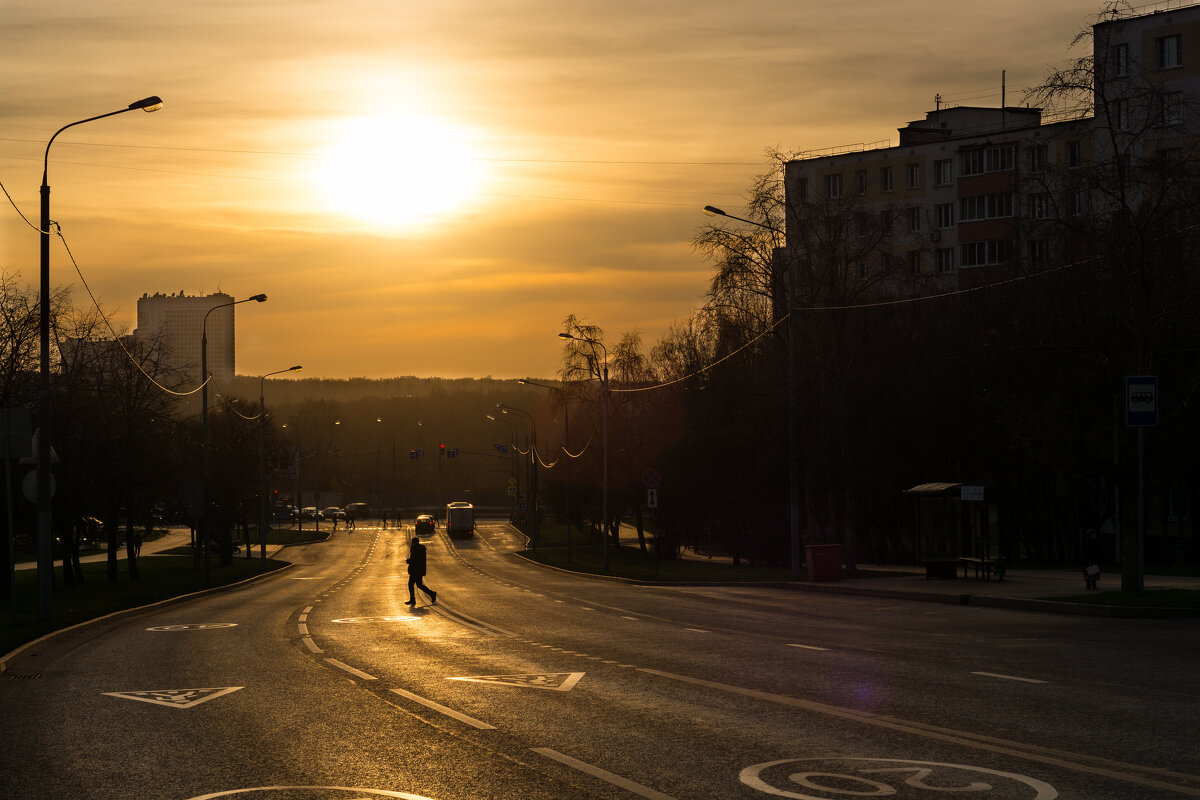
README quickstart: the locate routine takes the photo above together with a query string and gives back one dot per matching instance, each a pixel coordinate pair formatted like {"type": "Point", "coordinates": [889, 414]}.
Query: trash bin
{"type": "Point", "coordinates": [824, 562]}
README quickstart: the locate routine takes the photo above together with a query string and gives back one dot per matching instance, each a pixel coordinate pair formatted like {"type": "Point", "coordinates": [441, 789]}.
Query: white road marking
{"type": "Point", "coordinates": [604, 775]}
{"type": "Point", "coordinates": [808, 647]}
{"type": "Point", "coordinates": [175, 698]}
{"type": "Point", "coordinates": [1007, 677]}
{"type": "Point", "coordinates": [635, 619]}
{"type": "Point", "coordinates": [697, 630]}
{"type": "Point", "coordinates": [311, 645]}
{"type": "Point", "coordinates": [441, 709]}
{"type": "Point", "coordinates": [554, 681]}
{"type": "Point", "coordinates": [302, 628]}
{"type": "Point", "coordinates": [351, 670]}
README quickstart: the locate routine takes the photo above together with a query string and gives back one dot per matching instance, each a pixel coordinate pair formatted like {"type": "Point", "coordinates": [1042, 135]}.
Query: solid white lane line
{"type": "Point", "coordinates": [1007, 677]}
{"type": "Point", "coordinates": [357, 672]}
{"type": "Point", "coordinates": [604, 775]}
{"type": "Point", "coordinates": [311, 645]}
{"type": "Point", "coordinates": [441, 709]}
{"type": "Point", "coordinates": [808, 647]}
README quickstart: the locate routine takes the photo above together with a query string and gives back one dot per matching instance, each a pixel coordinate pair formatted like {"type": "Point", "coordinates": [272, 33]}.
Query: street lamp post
{"type": "Point", "coordinates": [567, 465]}
{"type": "Point", "coordinates": [44, 480]}
{"type": "Point", "coordinates": [262, 461]}
{"type": "Point", "coordinates": [515, 477]}
{"type": "Point", "coordinates": [206, 525]}
{"type": "Point", "coordinates": [533, 465]}
{"type": "Point", "coordinates": [793, 395]}
{"type": "Point", "coordinates": [603, 374]}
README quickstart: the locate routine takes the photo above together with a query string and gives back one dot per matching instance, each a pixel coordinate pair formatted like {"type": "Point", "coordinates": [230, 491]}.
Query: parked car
{"type": "Point", "coordinates": [334, 513]}
{"type": "Point", "coordinates": [425, 524]}
{"type": "Point", "coordinates": [358, 511]}
{"type": "Point", "coordinates": [309, 513]}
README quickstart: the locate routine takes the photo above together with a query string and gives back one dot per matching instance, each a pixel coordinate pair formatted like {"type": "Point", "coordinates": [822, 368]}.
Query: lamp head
{"type": "Point", "coordinates": [296, 368]}
{"type": "Point", "coordinates": [713, 211]}
{"type": "Point", "coordinates": [148, 104]}
{"type": "Point", "coordinates": [565, 336]}
{"type": "Point", "coordinates": [258, 298]}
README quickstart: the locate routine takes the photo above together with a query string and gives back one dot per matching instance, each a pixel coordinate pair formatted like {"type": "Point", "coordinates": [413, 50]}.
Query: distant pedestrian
{"type": "Point", "coordinates": [385, 520]}
{"type": "Point", "coordinates": [416, 573]}
{"type": "Point", "coordinates": [1091, 559]}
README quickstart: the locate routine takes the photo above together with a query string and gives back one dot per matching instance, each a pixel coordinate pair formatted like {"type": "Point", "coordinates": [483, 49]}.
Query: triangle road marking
{"type": "Point", "coordinates": [552, 681]}
{"type": "Point", "coordinates": [175, 698]}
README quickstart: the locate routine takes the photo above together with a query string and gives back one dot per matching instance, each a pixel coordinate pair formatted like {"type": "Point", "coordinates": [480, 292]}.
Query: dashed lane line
{"type": "Point", "coordinates": [356, 672]}
{"type": "Point", "coordinates": [1007, 677]}
{"type": "Point", "coordinates": [809, 647]}
{"type": "Point", "coordinates": [604, 775]}
{"type": "Point", "coordinates": [441, 709]}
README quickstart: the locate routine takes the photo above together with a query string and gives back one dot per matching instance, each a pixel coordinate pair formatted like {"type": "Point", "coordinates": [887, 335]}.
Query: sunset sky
{"type": "Point", "coordinates": [430, 188]}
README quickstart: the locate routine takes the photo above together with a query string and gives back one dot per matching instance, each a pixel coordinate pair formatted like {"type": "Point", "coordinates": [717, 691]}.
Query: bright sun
{"type": "Point", "coordinates": [398, 171]}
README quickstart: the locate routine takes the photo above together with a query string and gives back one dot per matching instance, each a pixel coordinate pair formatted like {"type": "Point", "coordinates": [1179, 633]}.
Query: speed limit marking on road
{"type": "Point", "coordinates": [834, 778]}
{"type": "Point", "coordinates": [194, 626]}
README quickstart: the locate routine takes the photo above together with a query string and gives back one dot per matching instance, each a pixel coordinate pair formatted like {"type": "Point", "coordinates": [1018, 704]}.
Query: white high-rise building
{"type": "Point", "coordinates": [179, 320]}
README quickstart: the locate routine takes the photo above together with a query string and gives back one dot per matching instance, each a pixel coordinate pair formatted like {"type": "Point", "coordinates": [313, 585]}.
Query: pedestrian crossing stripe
{"type": "Point", "coordinates": [175, 698]}
{"type": "Point", "coordinates": [552, 681]}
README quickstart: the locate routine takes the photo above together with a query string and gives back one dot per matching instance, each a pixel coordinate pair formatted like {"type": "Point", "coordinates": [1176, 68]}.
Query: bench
{"type": "Point", "coordinates": [984, 568]}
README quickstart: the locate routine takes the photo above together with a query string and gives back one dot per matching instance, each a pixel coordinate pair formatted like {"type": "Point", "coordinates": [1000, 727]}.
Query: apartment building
{"type": "Point", "coordinates": [972, 195]}
{"type": "Point", "coordinates": [179, 320]}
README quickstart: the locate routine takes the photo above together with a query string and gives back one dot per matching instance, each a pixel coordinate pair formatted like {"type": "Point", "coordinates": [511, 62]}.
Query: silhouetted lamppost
{"type": "Point", "coordinates": [603, 374]}
{"type": "Point", "coordinates": [567, 465]}
{"type": "Point", "coordinates": [533, 465]}
{"type": "Point", "coordinates": [45, 566]}
{"type": "Point", "coordinates": [793, 393]}
{"type": "Point", "coordinates": [206, 526]}
{"type": "Point", "coordinates": [262, 460]}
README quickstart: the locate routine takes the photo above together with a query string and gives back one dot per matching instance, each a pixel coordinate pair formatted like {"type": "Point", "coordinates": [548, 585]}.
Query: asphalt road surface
{"type": "Point", "coordinates": [522, 682]}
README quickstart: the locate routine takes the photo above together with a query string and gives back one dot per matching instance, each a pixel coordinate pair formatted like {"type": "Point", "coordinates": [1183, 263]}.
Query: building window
{"type": "Point", "coordinates": [914, 262]}
{"type": "Point", "coordinates": [970, 162]}
{"type": "Point", "coordinates": [914, 176]}
{"type": "Point", "coordinates": [1037, 158]}
{"type": "Point", "coordinates": [1120, 60]}
{"type": "Point", "coordinates": [1039, 252]}
{"type": "Point", "coordinates": [943, 259]}
{"type": "Point", "coordinates": [986, 206]}
{"type": "Point", "coordinates": [1075, 203]}
{"type": "Point", "coordinates": [1039, 206]}
{"type": "Point", "coordinates": [943, 170]}
{"type": "Point", "coordinates": [860, 182]}
{"type": "Point", "coordinates": [885, 179]}
{"type": "Point", "coordinates": [1172, 108]}
{"type": "Point", "coordinates": [802, 189]}
{"type": "Point", "coordinates": [885, 263]}
{"type": "Point", "coordinates": [1170, 51]}
{"type": "Point", "coordinates": [860, 269]}
{"type": "Point", "coordinates": [1072, 155]}
{"type": "Point", "coordinates": [914, 220]}
{"type": "Point", "coordinates": [944, 212]}
{"type": "Point", "coordinates": [999, 159]}
{"type": "Point", "coordinates": [986, 253]}
{"type": "Point", "coordinates": [1118, 115]}
{"type": "Point", "coordinates": [833, 186]}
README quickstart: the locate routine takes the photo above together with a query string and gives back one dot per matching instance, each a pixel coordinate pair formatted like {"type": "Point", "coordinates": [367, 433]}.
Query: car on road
{"type": "Point", "coordinates": [310, 513]}
{"type": "Point", "coordinates": [334, 513]}
{"type": "Point", "coordinates": [425, 524]}
{"type": "Point", "coordinates": [357, 510]}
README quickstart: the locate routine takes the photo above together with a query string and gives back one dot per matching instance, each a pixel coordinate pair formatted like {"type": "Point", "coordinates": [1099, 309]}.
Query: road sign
{"type": "Point", "coordinates": [1141, 401]}
{"type": "Point", "coordinates": [971, 493]}
{"type": "Point", "coordinates": [652, 498]}
{"type": "Point", "coordinates": [651, 478]}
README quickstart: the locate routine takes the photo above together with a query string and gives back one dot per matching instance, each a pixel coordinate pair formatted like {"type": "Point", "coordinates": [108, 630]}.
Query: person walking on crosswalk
{"type": "Point", "coordinates": [416, 573]}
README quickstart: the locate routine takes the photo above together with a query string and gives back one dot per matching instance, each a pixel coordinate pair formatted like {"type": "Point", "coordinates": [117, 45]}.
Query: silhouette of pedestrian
{"type": "Point", "coordinates": [416, 573]}
{"type": "Point", "coordinates": [1091, 559]}
{"type": "Point", "coordinates": [385, 520]}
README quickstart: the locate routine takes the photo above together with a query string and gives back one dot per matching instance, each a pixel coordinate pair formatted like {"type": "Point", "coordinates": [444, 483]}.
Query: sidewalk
{"type": "Point", "coordinates": [176, 536]}
{"type": "Point", "coordinates": [1024, 589]}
